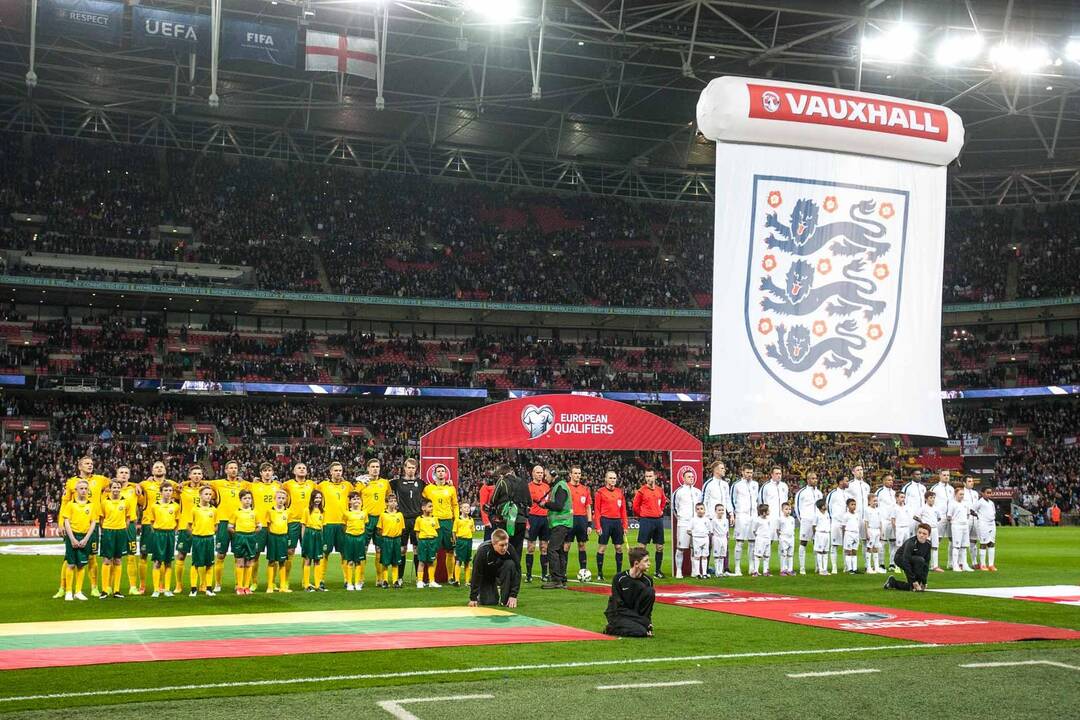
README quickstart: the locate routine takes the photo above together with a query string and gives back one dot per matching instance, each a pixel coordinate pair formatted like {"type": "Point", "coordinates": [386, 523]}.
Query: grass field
{"type": "Point", "coordinates": [733, 658]}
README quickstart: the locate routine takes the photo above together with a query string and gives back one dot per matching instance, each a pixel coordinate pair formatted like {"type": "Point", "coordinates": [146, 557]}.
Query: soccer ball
{"type": "Point", "coordinates": [584, 575]}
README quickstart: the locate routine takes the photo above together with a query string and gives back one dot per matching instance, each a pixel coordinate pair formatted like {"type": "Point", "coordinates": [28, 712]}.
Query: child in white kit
{"type": "Point", "coordinates": [872, 526]}
{"type": "Point", "coordinates": [930, 515]}
{"type": "Point", "coordinates": [787, 540]}
{"type": "Point", "coordinates": [699, 542]}
{"type": "Point", "coordinates": [960, 527]}
{"type": "Point", "coordinates": [851, 537]}
{"type": "Point", "coordinates": [762, 541]}
{"type": "Point", "coordinates": [822, 537]}
{"type": "Point", "coordinates": [901, 519]}
{"type": "Point", "coordinates": [719, 531]}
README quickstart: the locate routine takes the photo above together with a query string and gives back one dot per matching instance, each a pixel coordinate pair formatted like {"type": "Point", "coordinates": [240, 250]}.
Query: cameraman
{"type": "Point", "coordinates": [510, 506]}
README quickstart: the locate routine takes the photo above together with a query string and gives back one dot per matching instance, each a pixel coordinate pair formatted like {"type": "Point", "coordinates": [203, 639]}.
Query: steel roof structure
{"type": "Point", "coordinates": [583, 95]}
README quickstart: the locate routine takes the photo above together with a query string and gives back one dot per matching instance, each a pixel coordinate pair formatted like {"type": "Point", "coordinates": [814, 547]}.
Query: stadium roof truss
{"type": "Point", "coordinates": [579, 95]}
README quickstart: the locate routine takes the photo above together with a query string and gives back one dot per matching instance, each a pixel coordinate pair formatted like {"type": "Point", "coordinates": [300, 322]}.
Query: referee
{"type": "Point", "coordinates": [410, 494]}
{"type": "Point", "coordinates": [649, 504]}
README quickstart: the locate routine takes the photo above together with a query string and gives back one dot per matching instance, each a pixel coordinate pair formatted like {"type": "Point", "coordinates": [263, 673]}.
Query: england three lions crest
{"type": "Point", "coordinates": [823, 283]}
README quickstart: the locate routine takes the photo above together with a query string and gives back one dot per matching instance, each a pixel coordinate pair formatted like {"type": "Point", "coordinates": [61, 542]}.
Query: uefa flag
{"type": "Point", "coordinates": [330, 52]}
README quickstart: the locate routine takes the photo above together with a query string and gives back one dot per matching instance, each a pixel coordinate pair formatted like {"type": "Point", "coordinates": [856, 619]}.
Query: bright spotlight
{"type": "Point", "coordinates": [1072, 50]}
{"type": "Point", "coordinates": [1022, 60]}
{"type": "Point", "coordinates": [959, 49]}
{"type": "Point", "coordinates": [494, 11]}
{"type": "Point", "coordinates": [891, 45]}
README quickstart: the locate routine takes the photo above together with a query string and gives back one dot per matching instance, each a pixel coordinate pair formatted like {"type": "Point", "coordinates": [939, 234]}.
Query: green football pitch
{"type": "Point", "coordinates": [727, 665]}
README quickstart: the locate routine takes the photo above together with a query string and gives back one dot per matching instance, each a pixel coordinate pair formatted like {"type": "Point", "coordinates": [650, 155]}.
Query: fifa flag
{"type": "Point", "coordinates": [331, 52]}
{"type": "Point", "coordinates": [828, 250]}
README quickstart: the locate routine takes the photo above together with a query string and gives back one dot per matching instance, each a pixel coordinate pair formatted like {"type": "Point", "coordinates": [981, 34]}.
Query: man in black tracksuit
{"type": "Point", "coordinates": [913, 557]}
{"type": "Point", "coordinates": [410, 495]}
{"type": "Point", "coordinates": [629, 609]}
{"type": "Point", "coordinates": [496, 573]}
{"type": "Point", "coordinates": [510, 490]}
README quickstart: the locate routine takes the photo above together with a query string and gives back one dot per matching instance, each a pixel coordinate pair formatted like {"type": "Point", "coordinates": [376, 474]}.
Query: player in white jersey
{"type": "Point", "coordinates": [717, 491]}
{"type": "Point", "coordinates": [806, 515]}
{"type": "Point", "coordinates": [763, 535]}
{"type": "Point", "coordinates": [851, 525]}
{"type": "Point", "coordinates": [872, 529]}
{"type": "Point", "coordinates": [684, 502]}
{"type": "Point", "coordinates": [786, 540]}
{"type": "Point", "coordinates": [902, 520]}
{"type": "Point", "coordinates": [822, 537]}
{"type": "Point", "coordinates": [915, 492]}
{"type": "Point", "coordinates": [959, 517]}
{"type": "Point", "coordinates": [836, 502]}
{"type": "Point", "coordinates": [744, 493]}
{"type": "Point", "coordinates": [774, 493]}
{"type": "Point", "coordinates": [699, 527]}
{"type": "Point", "coordinates": [971, 500]}
{"type": "Point", "coordinates": [718, 532]}
{"type": "Point", "coordinates": [930, 515]}
{"type": "Point", "coordinates": [886, 500]}
{"type": "Point", "coordinates": [986, 514]}
{"type": "Point", "coordinates": [943, 498]}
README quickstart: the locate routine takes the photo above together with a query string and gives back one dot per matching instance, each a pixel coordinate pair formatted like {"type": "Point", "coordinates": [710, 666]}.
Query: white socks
{"type": "Point", "coordinates": [835, 562]}
{"type": "Point", "coordinates": [738, 555]}
{"type": "Point", "coordinates": [991, 552]}
{"type": "Point", "coordinates": [802, 557]}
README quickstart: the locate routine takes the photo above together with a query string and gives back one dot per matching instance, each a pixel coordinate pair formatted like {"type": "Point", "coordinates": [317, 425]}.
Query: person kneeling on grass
{"type": "Point", "coordinates": [496, 572]}
{"type": "Point", "coordinates": [913, 557]}
{"type": "Point", "coordinates": [629, 609]}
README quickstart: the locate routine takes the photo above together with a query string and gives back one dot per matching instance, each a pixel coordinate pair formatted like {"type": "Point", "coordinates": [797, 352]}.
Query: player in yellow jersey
{"type": "Point", "coordinates": [228, 494]}
{"type": "Point", "coordinates": [244, 524]}
{"type": "Point", "coordinates": [190, 490]}
{"type": "Point", "coordinates": [164, 517]}
{"type": "Point", "coordinates": [130, 491]}
{"type": "Point", "coordinates": [276, 521]}
{"type": "Point", "coordinates": [263, 491]}
{"type": "Point", "coordinates": [114, 512]}
{"type": "Point", "coordinates": [464, 527]}
{"type": "Point", "coordinates": [373, 493]}
{"type": "Point", "coordinates": [202, 522]}
{"type": "Point", "coordinates": [427, 545]}
{"type": "Point", "coordinates": [336, 500]}
{"type": "Point", "coordinates": [391, 526]}
{"type": "Point", "coordinates": [356, 543]}
{"type": "Point", "coordinates": [78, 518]}
{"type": "Point", "coordinates": [148, 491]}
{"type": "Point", "coordinates": [299, 489]}
{"type": "Point", "coordinates": [444, 501]}
{"type": "Point", "coordinates": [95, 484]}
{"type": "Point", "coordinates": [312, 544]}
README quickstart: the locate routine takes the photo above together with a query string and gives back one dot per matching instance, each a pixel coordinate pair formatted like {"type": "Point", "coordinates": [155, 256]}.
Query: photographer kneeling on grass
{"type": "Point", "coordinates": [913, 557]}
{"type": "Point", "coordinates": [496, 573]}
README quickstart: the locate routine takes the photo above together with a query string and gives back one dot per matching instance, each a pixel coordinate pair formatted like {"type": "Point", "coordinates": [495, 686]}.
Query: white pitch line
{"type": "Point", "coordinates": [830, 673]}
{"type": "Point", "coordinates": [394, 706]}
{"type": "Point", "coordinates": [677, 683]}
{"type": "Point", "coordinates": [467, 671]}
{"type": "Point", "coordinates": [1051, 663]}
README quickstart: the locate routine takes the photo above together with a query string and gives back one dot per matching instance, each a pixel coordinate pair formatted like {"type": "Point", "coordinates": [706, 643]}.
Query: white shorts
{"type": "Point", "coordinates": [701, 547]}
{"type": "Point", "coordinates": [851, 541]}
{"type": "Point", "coordinates": [806, 530]}
{"type": "Point", "coordinates": [837, 533]}
{"type": "Point", "coordinates": [719, 545]}
{"type": "Point", "coordinates": [762, 548]}
{"type": "Point", "coordinates": [873, 537]}
{"type": "Point", "coordinates": [683, 539]}
{"type": "Point", "coordinates": [742, 527]}
{"type": "Point", "coordinates": [902, 534]}
{"type": "Point", "coordinates": [774, 525]}
{"type": "Point", "coordinates": [943, 530]}
{"type": "Point", "coordinates": [960, 534]}
{"type": "Point", "coordinates": [987, 533]}
{"type": "Point", "coordinates": [934, 539]}
{"type": "Point", "coordinates": [822, 541]}
{"type": "Point", "coordinates": [974, 535]}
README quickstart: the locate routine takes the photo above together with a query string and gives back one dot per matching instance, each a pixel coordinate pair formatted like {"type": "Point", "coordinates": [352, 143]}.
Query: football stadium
{"type": "Point", "coordinates": [465, 359]}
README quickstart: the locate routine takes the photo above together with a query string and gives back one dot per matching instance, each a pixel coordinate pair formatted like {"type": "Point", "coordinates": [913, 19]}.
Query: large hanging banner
{"type": "Point", "coordinates": [830, 223]}
{"type": "Point", "coordinates": [188, 32]}
{"type": "Point", "coordinates": [90, 20]}
{"type": "Point", "coordinates": [261, 42]}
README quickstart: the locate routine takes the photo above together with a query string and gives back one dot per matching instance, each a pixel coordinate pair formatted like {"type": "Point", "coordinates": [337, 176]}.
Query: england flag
{"type": "Point", "coordinates": [330, 52]}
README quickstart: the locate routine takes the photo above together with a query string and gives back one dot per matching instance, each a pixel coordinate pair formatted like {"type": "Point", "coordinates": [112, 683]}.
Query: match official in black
{"type": "Point", "coordinates": [629, 609]}
{"type": "Point", "coordinates": [496, 573]}
{"type": "Point", "coordinates": [410, 495]}
{"type": "Point", "coordinates": [510, 506]}
{"type": "Point", "coordinates": [913, 557]}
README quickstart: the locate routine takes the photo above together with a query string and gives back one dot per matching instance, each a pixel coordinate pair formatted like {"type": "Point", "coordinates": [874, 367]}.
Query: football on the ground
{"type": "Point", "coordinates": [584, 575]}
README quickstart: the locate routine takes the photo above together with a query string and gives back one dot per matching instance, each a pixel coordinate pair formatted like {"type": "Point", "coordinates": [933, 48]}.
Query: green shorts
{"type": "Point", "coordinates": [146, 540]}
{"type": "Point", "coordinates": [243, 545]}
{"type": "Point", "coordinates": [312, 547]}
{"type": "Point", "coordinates": [277, 548]}
{"type": "Point", "coordinates": [132, 539]}
{"type": "Point", "coordinates": [463, 550]}
{"type": "Point", "coordinates": [293, 538]}
{"type": "Point", "coordinates": [427, 550]}
{"type": "Point", "coordinates": [95, 541]}
{"type": "Point", "coordinates": [164, 546]}
{"type": "Point", "coordinates": [261, 539]}
{"type": "Point", "coordinates": [389, 550]}
{"type": "Point", "coordinates": [334, 537]}
{"type": "Point", "coordinates": [183, 542]}
{"type": "Point", "coordinates": [114, 543]}
{"type": "Point", "coordinates": [354, 548]}
{"type": "Point", "coordinates": [202, 551]}
{"type": "Point", "coordinates": [446, 535]}
{"type": "Point", "coordinates": [75, 556]}
{"type": "Point", "coordinates": [221, 538]}
{"type": "Point", "coordinates": [371, 529]}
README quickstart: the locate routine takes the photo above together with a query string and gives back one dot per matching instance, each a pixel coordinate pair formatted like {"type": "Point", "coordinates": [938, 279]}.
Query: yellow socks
{"type": "Point", "coordinates": [457, 572]}
{"type": "Point", "coordinates": [283, 578]}
{"type": "Point", "coordinates": [93, 568]}
{"type": "Point", "coordinates": [271, 570]}
{"type": "Point", "coordinates": [219, 570]}
{"type": "Point", "coordinates": [431, 573]}
{"type": "Point", "coordinates": [200, 578]}
{"type": "Point", "coordinates": [150, 574]}
{"type": "Point", "coordinates": [133, 573]}
{"type": "Point", "coordinates": [320, 570]}
{"type": "Point", "coordinates": [253, 578]}
{"type": "Point", "coordinates": [79, 574]}
{"type": "Point", "coordinates": [63, 575]}
{"type": "Point", "coordinates": [468, 573]}
{"type": "Point", "coordinates": [106, 577]}
{"type": "Point", "coordinates": [178, 574]}
{"type": "Point", "coordinates": [361, 570]}
{"type": "Point", "coordinates": [194, 575]}
{"type": "Point", "coordinates": [393, 574]}
{"type": "Point", "coordinates": [288, 566]}
{"type": "Point", "coordinates": [450, 566]}
{"type": "Point", "coordinates": [307, 575]}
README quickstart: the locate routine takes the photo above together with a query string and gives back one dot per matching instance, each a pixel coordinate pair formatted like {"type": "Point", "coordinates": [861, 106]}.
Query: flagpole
{"type": "Point", "coordinates": [215, 42]}
{"type": "Point", "coordinates": [380, 49]}
{"type": "Point", "coordinates": [31, 76]}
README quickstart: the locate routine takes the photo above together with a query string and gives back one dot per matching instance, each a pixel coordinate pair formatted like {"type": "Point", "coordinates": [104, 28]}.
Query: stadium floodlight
{"type": "Point", "coordinates": [494, 11]}
{"type": "Point", "coordinates": [1072, 50]}
{"type": "Point", "coordinates": [1032, 58]}
{"type": "Point", "coordinates": [959, 49]}
{"type": "Point", "coordinates": [891, 45]}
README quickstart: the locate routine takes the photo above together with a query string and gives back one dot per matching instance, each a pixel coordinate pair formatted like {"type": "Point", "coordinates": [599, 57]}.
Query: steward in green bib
{"type": "Point", "coordinates": [560, 523]}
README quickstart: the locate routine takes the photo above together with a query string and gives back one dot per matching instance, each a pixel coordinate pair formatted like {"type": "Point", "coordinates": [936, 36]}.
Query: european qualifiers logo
{"type": "Point", "coordinates": [540, 420]}
{"type": "Point", "coordinates": [537, 420]}
{"type": "Point", "coordinates": [823, 282]}
{"type": "Point", "coordinates": [847, 616]}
